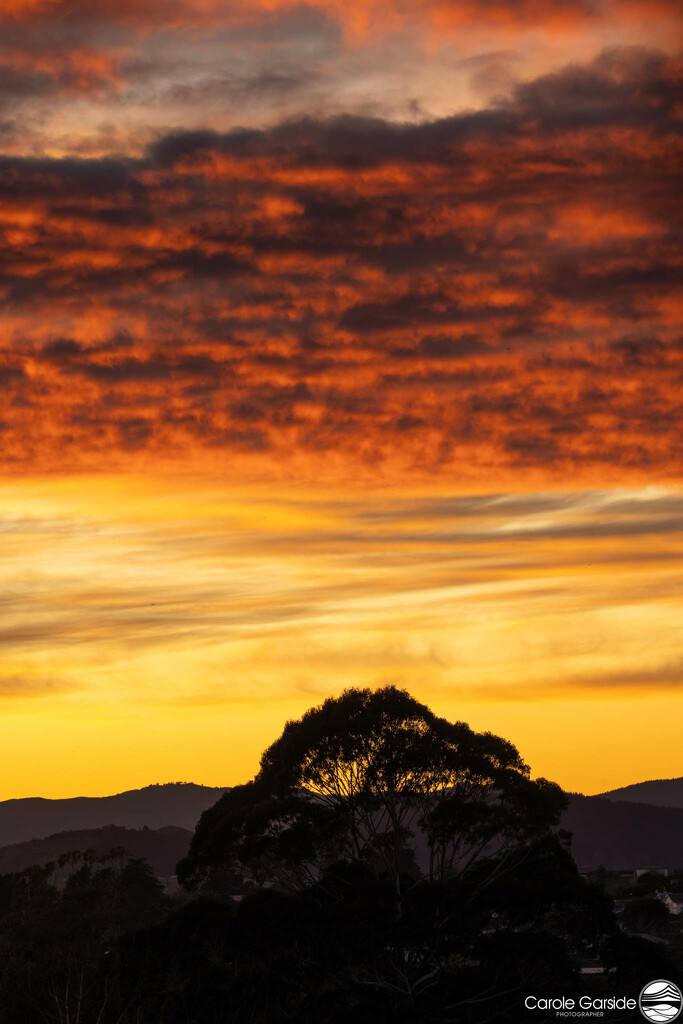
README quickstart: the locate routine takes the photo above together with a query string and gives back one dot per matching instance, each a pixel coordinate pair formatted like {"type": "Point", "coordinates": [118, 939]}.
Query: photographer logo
{"type": "Point", "coordinates": [660, 1001]}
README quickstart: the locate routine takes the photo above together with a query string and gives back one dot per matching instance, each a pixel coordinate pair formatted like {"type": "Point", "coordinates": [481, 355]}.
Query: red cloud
{"type": "Point", "coordinates": [491, 296]}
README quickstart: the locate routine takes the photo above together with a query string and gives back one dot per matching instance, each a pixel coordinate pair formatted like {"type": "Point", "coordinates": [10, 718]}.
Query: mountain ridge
{"type": "Point", "coordinates": [656, 792]}
{"type": "Point", "coordinates": [155, 806]}
{"type": "Point", "coordinates": [623, 835]}
{"type": "Point", "coordinates": [617, 834]}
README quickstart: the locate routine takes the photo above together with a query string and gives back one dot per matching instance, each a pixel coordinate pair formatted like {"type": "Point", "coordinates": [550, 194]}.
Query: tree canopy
{"type": "Point", "coordinates": [378, 778]}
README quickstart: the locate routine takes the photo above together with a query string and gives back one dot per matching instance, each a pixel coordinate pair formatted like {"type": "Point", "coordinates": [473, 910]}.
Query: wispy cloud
{"type": "Point", "coordinates": [454, 591]}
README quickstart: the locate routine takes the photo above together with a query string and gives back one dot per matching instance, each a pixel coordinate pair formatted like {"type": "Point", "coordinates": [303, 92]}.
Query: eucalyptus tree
{"type": "Point", "coordinates": [372, 800]}
{"type": "Point", "coordinates": [378, 778]}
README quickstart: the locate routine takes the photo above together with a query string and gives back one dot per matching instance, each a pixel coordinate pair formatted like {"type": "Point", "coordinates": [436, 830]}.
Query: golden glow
{"type": "Point", "coordinates": [372, 392]}
{"type": "Point", "coordinates": [165, 628]}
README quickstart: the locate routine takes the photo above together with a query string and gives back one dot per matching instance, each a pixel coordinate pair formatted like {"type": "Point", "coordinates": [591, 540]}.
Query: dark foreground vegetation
{"type": "Point", "coordinates": [384, 866]}
{"type": "Point", "coordinates": [162, 848]}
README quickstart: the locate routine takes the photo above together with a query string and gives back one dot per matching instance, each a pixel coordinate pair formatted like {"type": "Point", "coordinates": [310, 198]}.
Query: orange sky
{"type": "Point", "coordinates": [341, 345]}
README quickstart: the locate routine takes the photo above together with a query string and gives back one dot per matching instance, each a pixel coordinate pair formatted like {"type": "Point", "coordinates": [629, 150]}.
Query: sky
{"type": "Point", "coordinates": [340, 345]}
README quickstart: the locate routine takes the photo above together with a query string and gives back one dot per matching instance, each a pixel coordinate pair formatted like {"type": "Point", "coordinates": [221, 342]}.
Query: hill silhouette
{"type": "Point", "coordinates": [162, 848]}
{"type": "Point", "coordinates": [658, 792]}
{"type": "Point", "coordinates": [622, 835]}
{"type": "Point", "coordinates": [174, 803]}
{"type": "Point", "coordinates": [617, 834]}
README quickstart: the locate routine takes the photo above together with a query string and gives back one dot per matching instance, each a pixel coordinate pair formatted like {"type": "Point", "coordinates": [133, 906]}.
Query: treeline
{"type": "Point", "coordinates": [162, 848]}
{"type": "Point", "coordinates": [309, 897]}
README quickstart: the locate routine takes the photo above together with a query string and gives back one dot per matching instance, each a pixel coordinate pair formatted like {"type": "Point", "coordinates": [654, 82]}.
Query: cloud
{"type": "Point", "coordinates": [192, 592]}
{"type": "Point", "coordinates": [666, 675]}
{"type": "Point", "coordinates": [603, 92]}
{"type": "Point", "coordinates": [67, 71]}
{"type": "Point", "coordinates": [27, 686]}
{"type": "Point", "coordinates": [491, 294]}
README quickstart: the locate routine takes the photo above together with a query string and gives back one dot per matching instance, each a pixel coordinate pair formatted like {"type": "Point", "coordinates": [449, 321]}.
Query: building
{"type": "Point", "coordinates": [673, 901]}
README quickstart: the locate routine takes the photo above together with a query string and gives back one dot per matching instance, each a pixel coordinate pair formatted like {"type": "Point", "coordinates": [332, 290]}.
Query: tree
{"type": "Point", "coordinates": [365, 777]}
{"type": "Point", "coordinates": [648, 883]}
{"type": "Point", "coordinates": [55, 939]}
{"type": "Point", "coordinates": [421, 849]}
{"type": "Point", "coordinates": [645, 915]}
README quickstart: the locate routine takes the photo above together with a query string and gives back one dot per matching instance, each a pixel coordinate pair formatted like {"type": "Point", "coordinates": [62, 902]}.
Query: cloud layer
{"type": "Point", "coordinates": [340, 343]}
{"type": "Point", "coordinates": [86, 74]}
{"type": "Point", "coordinates": [206, 598]}
{"type": "Point", "coordinates": [493, 294]}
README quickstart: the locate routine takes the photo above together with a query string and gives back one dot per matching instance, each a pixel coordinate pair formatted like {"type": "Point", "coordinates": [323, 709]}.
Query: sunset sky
{"type": "Point", "coordinates": [340, 345]}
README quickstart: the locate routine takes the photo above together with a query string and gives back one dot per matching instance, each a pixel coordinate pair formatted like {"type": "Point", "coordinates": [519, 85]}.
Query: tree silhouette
{"type": "Point", "coordinates": [54, 939]}
{"type": "Point", "coordinates": [364, 777]}
{"type": "Point", "coordinates": [645, 915]}
{"type": "Point", "coordinates": [373, 801]}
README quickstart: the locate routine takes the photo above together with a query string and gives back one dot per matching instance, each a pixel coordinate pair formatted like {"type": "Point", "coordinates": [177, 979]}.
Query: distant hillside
{"type": "Point", "coordinates": [161, 848]}
{"type": "Point", "coordinates": [617, 834]}
{"type": "Point", "coordinates": [177, 803]}
{"type": "Point", "coordinates": [621, 835]}
{"type": "Point", "coordinates": [659, 792]}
